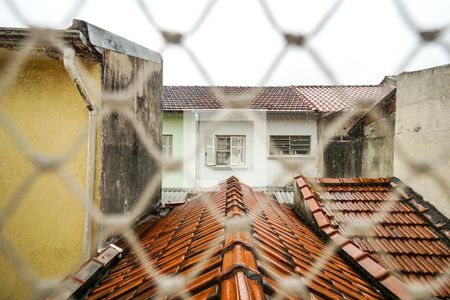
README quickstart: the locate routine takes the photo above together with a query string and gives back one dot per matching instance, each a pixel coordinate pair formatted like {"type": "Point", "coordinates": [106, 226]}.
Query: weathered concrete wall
{"type": "Point", "coordinates": [378, 148]}
{"type": "Point", "coordinates": [127, 166]}
{"type": "Point", "coordinates": [46, 229]}
{"type": "Point", "coordinates": [422, 129]}
{"type": "Point", "coordinates": [327, 126]}
{"type": "Point", "coordinates": [342, 158]}
{"type": "Point", "coordinates": [369, 154]}
{"type": "Point", "coordinates": [367, 148]}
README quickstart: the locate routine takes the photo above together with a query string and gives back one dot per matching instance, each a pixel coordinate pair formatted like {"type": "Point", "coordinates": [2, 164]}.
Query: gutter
{"type": "Point", "coordinates": [71, 69]}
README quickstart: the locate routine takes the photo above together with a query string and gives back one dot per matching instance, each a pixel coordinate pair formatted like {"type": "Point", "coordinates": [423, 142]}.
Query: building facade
{"type": "Point", "coordinates": [210, 135]}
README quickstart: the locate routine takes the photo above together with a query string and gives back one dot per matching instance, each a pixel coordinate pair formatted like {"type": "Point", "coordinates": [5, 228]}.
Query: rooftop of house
{"type": "Point", "coordinates": [234, 243]}
{"type": "Point", "coordinates": [411, 239]}
{"type": "Point", "coordinates": [318, 98]}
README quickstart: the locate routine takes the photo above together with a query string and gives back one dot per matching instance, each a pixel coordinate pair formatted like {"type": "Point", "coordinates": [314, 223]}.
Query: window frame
{"type": "Point", "coordinates": [239, 149]}
{"type": "Point", "coordinates": [289, 136]}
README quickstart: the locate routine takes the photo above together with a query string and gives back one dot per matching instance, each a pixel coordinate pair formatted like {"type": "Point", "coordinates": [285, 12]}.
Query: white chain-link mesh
{"type": "Point", "coordinates": [123, 225]}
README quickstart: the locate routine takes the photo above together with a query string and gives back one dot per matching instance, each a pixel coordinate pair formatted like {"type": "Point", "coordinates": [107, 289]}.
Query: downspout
{"type": "Point", "coordinates": [197, 146]}
{"type": "Point", "coordinates": [71, 69]}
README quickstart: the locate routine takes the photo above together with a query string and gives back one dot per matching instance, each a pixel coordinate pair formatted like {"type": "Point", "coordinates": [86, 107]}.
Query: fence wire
{"type": "Point", "coordinates": [45, 163]}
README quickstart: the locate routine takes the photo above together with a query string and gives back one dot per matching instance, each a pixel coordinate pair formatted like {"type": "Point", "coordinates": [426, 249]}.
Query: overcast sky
{"type": "Point", "coordinates": [236, 44]}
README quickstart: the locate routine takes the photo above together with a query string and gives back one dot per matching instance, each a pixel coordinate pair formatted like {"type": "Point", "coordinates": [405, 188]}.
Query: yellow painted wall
{"type": "Point", "coordinates": [47, 227]}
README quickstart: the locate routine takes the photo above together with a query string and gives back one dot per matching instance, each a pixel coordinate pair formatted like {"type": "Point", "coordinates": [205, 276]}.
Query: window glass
{"type": "Point", "coordinates": [229, 151]}
{"type": "Point", "coordinates": [167, 146]}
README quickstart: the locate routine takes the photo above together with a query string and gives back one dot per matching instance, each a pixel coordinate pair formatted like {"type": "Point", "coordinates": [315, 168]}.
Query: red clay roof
{"type": "Point", "coordinates": [403, 240]}
{"type": "Point", "coordinates": [281, 98]}
{"type": "Point", "coordinates": [263, 249]}
{"type": "Point", "coordinates": [336, 98]}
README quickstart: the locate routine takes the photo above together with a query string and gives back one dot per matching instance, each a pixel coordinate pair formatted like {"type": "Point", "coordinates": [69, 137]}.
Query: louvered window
{"type": "Point", "coordinates": [290, 145]}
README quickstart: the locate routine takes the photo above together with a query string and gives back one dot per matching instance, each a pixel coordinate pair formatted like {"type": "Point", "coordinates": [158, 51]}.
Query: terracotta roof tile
{"type": "Point", "coordinates": [176, 98]}
{"type": "Point", "coordinates": [273, 98]}
{"type": "Point", "coordinates": [337, 98]}
{"type": "Point", "coordinates": [271, 256]}
{"type": "Point", "coordinates": [411, 245]}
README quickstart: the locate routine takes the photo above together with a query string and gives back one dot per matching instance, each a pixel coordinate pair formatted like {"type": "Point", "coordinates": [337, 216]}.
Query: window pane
{"type": "Point", "coordinates": [223, 143]}
{"type": "Point", "coordinates": [167, 146]}
{"type": "Point", "coordinates": [223, 158]}
{"type": "Point", "coordinates": [237, 150]}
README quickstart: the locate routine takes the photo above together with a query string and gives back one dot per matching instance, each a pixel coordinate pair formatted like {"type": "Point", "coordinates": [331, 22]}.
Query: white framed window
{"type": "Point", "coordinates": [167, 147]}
{"type": "Point", "coordinates": [289, 145]}
{"type": "Point", "coordinates": [225, 150]}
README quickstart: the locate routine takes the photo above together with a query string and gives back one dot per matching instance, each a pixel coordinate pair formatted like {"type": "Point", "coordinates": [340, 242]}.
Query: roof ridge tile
{"type": "Point", "coordinates": [238, 255]}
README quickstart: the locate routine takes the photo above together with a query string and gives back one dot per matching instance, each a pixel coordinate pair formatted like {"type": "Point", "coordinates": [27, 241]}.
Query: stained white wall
{"type": "Point", "coordinates": [280, 170]}
{"type": "Point", "coordinates": [233, 123]}
{"type": "Point", "coordinates": [422, 130]}
{"type": "Point", "coordinates": [259, 169]}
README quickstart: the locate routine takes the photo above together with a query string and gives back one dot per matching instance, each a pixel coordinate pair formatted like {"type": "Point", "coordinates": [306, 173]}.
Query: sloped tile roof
{"type": "Point", "coordinates": [412, 245]}
{"type": "Point", "coordinates": [241, 263]}
{"type": "Point", "coordinates": [337, 98]}
{"type": "Point", "coordinates": [273, 98]}
{"type": "Point", "coordinates": [203, 97]}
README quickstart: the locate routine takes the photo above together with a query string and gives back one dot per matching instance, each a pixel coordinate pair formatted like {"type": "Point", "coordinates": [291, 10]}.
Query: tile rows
{"type": "Point", "coordinates": [171, 247]}
{"type": "Point", "coordinates": [251, 247]}
{"type": "Point", "coordinates": [403, 240]}
{"type": "Point", "coordinates": [336, 98]}
{"type": "Point", "coordinates": [274, 98]}
{"type": "Point", "coordinates": [289, 248]}
{"type": "Point", "coordinates": [411, 232]}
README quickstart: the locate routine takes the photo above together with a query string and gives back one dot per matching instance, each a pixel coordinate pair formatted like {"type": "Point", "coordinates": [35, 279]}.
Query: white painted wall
{"type": "Point", "coordinates": [233, 123]}
{"type": "Point", "coordinates": [260, 169]}
{"type": "Point", "coordinates": [292, 124]}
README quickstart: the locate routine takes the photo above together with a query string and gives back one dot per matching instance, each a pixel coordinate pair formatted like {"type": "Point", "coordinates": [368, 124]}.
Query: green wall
{"type": "Point", "coordinates": [173, 124]}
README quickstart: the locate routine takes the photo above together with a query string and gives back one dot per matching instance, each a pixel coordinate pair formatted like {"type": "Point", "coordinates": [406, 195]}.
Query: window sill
{"type": "Point", "coordinates": [290, 157]}
{"type": "Point", "coordinates": [227, 167]}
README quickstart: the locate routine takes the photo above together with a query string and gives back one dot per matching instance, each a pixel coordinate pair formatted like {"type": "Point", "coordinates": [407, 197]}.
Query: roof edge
{"type": "Point", "coordinates": [104, 39]}
{"type": "Point", "coordinates": [76, 284]}
{"type": "Point", "coordinates": [425, 210]}
{"type": "Point", "coordinates": [381, 277]}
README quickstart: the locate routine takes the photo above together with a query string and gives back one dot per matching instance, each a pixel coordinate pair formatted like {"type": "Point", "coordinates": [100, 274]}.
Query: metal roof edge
{"type": "Point", "coordinates": [102, 38]}
{"type": "Point", "coordinates": [75, 285]}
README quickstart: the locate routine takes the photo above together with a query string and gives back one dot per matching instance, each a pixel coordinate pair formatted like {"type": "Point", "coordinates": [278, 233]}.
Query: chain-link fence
{"type": "Point", "coordinates": [45, 163]}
